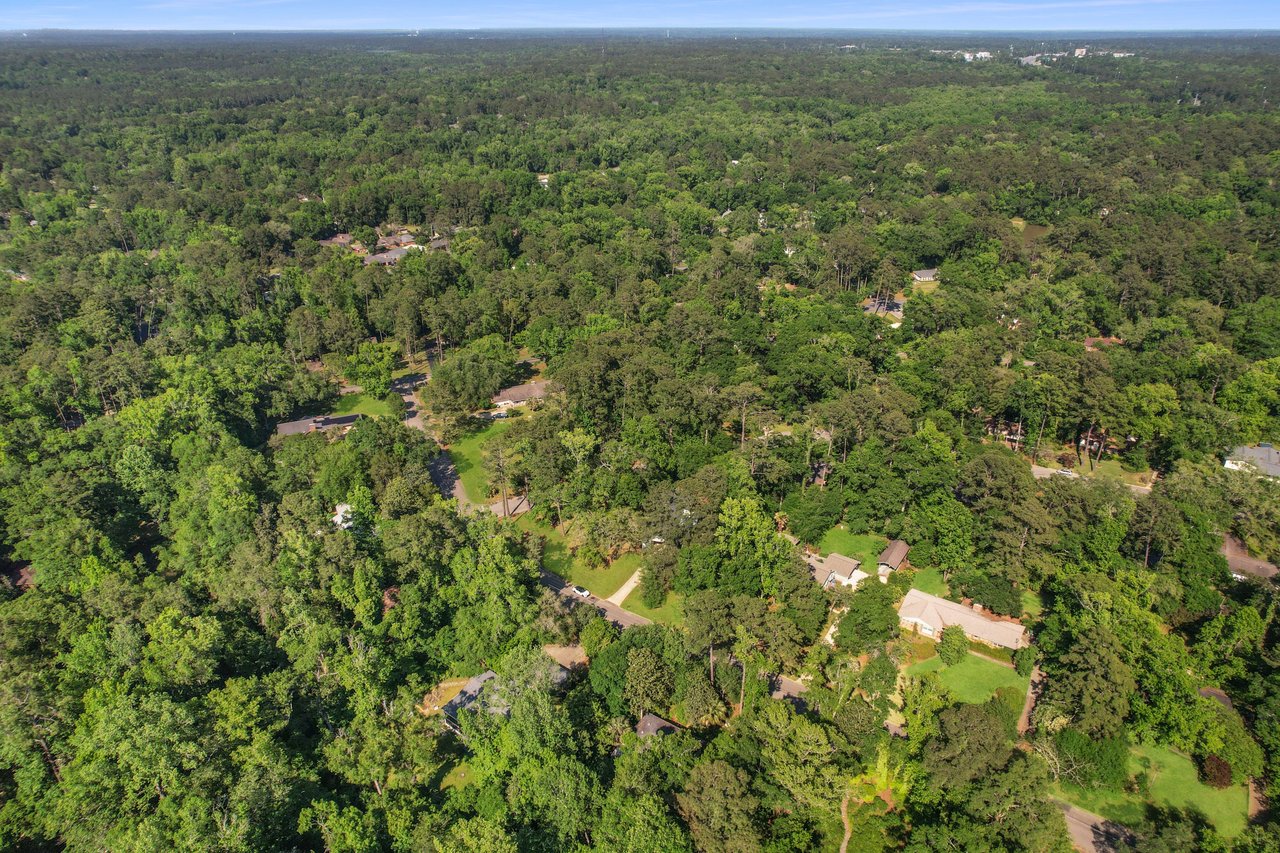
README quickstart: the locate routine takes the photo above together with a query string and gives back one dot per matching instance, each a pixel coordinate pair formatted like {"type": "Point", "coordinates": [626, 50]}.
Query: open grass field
{"type": "Point", "coordinates": [861, 546]}
{"type": "Point", "coordinates": [468, 458]}
{"type": "Point", "coordinates": [1172, 781]}
{"type": "Point", "coordinates": [362, 404]}
{"type": "Point", "coordinates": [974, 679]}
{"type": "Point", "coordinates": [668, 614]}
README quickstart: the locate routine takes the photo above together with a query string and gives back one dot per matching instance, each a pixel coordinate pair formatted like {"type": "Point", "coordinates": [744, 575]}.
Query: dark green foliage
{"type": "Point", "coordinates": [1092, 764]}
{"type": "Point", "coordinates": [812, 512]}
{"type": "Point", "coordinates": [953, 645]}
{"type": "Point", "coordinates": [871, 619]}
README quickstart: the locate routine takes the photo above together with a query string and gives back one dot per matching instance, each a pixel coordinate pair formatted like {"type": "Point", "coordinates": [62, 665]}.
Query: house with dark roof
{"type": "Point", "coordinates": [315, 424]}
{"type": "Point", "coordinates": [651, 724]}
{"type": "Point", "coordinates": [892, 557]}
{"type": "Point", "coordinates": [1262, 458]}
{"type": "Point", "coordinates": [391, 257]}
{"type": "Point", "coordinates": [396, 241]}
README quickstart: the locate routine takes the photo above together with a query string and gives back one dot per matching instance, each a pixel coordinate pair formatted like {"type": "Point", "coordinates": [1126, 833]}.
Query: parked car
{"type": "Point", "coordinates": [582, 591]}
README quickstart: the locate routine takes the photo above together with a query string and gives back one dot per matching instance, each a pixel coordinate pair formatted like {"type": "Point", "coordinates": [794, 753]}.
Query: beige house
{"type": "Point", "coordinates": [519, 395]}
{"type": "Point", "coordinates": [928, 615]}
{"type": "Point", "coordinates": [837, 569]}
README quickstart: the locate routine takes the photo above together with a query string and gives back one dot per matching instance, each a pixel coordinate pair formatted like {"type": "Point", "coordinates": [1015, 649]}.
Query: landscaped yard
{"type": "Point", "coordinates": [468, 458]}
{"type": "Point", "coordinates": [1172, 781]}
{"type": "Point", "coordinates": [668, 614]}
{"type": "Point", "coordinates": [861, 546]}
{"type": "Point", "coordinates": [974, 679]}
{"type": "Point", "coordinates": [363, 404]}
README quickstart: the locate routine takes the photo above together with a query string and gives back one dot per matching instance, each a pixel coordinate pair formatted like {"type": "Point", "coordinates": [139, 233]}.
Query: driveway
{"type": "Point", "coordinates": [615, 614]}
{"type": "Point", "coordinates": [1042, 473]}
{"type": "Point", "coordinates": [1091, 833]}
{"type": "Point", "coordinates": [445, 476]}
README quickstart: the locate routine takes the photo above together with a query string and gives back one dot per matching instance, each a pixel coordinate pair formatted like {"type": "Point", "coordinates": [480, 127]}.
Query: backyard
{"type": "Point", "coordinates": [975, 679]}
{"type": "Point", "coordinates": [363, 404]}
{"type": "Point", "coordinates": [861, 546]}
{"type": "Point", "coordinates": [1171, 781]}
{"type": "Point", "coordinates": [556, 558]}
{"type": "Point", "coordinates": [668, 614]}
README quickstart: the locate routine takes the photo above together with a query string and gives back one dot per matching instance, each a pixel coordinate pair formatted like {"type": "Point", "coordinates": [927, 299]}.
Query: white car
{"type": "Point", "coordinates": [581, 591]}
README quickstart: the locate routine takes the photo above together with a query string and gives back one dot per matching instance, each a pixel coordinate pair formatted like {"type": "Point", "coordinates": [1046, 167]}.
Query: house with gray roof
{"type": "Point", "coordinates": [1263, 458]}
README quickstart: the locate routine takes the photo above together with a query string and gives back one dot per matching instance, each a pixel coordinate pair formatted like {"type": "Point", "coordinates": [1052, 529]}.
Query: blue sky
{"type": "Point", "coordinates": [498, 14]}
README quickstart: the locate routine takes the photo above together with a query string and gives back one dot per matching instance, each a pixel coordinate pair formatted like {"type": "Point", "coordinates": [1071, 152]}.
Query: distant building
{"type": "Point", "coordinates": [342, 241]}
{"type": "Point", "coordinates": [925, 275]}
{"type": "Point", "coordinates": [519, 395]}
{"type": "Point", "coordinates": [1095, 344]}
{"type": "Point", "coordinates": [1080, 51]}
{"type": "Point", "coordinates": [391, 257]}
{"type": "Point", "coordinates": [929, 615]}
{"type": "Point", "coordinates": [342, 517]}
{"type": "Point", "coordinates": [440, 244]}
{"type": "Point", "coordinates": [396, 241]}
{"type": "Point", "coordinates": [1263, 458]}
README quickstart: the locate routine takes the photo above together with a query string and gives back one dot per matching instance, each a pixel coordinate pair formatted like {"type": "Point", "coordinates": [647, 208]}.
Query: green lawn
{"type": "Point", "coordinates": [362, 404]}
{"type": "Point", "coordinates": [930, 581]}
{"type": "Point", "coordinates": [468, 458]}
{"type": "Point", "coordinates": [557, 559]}
{"type": "Point", "coordinates": [974, 679]}
{"type": "Point", "coordinates": [861, 546]}
{"type": "Point", "coordinates": [1173, 782]}
{"type": "Point", "coordinates": [668, 614]}
{"type": "Point", "coordinates": [1032, 604]}
{"type": "Point", "coordinates": [1111, 469]}
{"type": "Point", "coordinates": [458, 776]}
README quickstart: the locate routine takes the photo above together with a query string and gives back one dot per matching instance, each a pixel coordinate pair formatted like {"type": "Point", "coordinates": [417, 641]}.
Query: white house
{"type": "Point", "coordinates": [929, 615]}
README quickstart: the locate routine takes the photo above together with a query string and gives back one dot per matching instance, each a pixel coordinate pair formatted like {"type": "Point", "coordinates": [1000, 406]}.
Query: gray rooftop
{"type": "Point", "coordinates": [1264, 457]}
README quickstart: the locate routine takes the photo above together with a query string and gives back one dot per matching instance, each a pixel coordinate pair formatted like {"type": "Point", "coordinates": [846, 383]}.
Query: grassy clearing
{"type": "Point", "coordinates": [363, 404]}
{"type": "Point", "coordinates": [668, 614]}
{"type": "Point", "coordinates": [459, 776]}
{"type": "Point", "coordinates": [556, 558]}
{"type": "Point", "coordinates": [1032, 605]}
{"type": "Point", "coordinates": [1172, 781]}
{"type": "Point", "coordinates": [974, 679]}
{"type": "Point", "coordinates": [468, 458]}
{"type": "Point", "coordinates": [931, 581]}
{"type": "Point", "coordinates": [1111, 469]}
{"type": "Point", "coordinates": [861, 546]}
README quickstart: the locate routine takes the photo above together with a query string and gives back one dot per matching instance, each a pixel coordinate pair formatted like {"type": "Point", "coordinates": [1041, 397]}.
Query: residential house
{"type": "Point", "coordinates": [892, 557]}
{"type": "Point", "coordinates": [391, 257]}
{"type": "Point", "coordinates": [402, 239]}
{"type": "Point", "coordinates": [519, 395]}
{"type": "Point", "coordinates": [929, 615]}
{"type": "Point", "coordinates": [1262, 458]}
{"type": "Point", "coordinates": [317, 424]}
{"type": "Point", "coordinates": [925, 275]}
{"type": "Point", "coordinates": [837, 569]}
{"type": "Point", "coordinates": [651, 724]}
{"type": "Point", "coordinates": [440, 244]}
{"type": "Point", "coordinates": [342, 241]}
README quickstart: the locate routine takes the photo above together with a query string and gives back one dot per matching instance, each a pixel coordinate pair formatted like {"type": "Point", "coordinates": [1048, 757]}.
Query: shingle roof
{"type": "Point", "coordinates": [894, 554]}
{"type": "Point", "coordinates": [521, 393]}
{"type": "Point", "coordinates": [652, 724]}
{"type": "Point", "coordinates": [938, 613]}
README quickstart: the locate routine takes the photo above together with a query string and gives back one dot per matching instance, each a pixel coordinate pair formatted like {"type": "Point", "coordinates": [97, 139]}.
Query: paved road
{"type": "Point", "coordinates": [1091, 833]}
{"type": "Point", "coordinates": [445, 475]}
{"type": "Point", "coordinates": [612, 612]}
{"type": "Point", "coordinates": [1042, 473]}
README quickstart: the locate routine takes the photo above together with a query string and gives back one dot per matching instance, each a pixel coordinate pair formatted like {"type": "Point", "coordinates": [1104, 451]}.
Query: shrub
{"type": "Point", "coordinates": [953, 645]}
{"type": "Point", "coordinates": [996, 594]}
{"type": "Point", "coordinates": [1024, 660]}
{"type": "Point", "coordinates": [1215, 772]}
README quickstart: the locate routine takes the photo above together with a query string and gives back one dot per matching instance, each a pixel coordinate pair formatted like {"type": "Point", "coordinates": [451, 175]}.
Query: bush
{"type": "Point", "coordinates": [953, 645]}
{"type": "Point", "coordinates": [1024, 660]}
{"type": "Point", "coordinates": [1215, 772]}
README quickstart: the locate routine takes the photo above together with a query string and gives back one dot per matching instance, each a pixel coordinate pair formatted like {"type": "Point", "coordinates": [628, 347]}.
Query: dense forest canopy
{"type": "Point", "coordinates": [784, 291]}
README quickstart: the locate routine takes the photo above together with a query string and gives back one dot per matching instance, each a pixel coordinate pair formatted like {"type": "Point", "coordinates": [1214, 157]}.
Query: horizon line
{"type": "Point", "coordinates": [646, 28]}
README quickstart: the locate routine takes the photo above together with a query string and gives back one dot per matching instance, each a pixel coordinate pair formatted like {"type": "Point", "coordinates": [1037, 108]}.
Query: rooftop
{"type": "Point", "coordinates": [520, 393]}
{"type": "Point", "coordinates": [939, 613]}
{"type": "Point", "coordinates": [1264, 457]}
{"type": "Point", "coordinates": [652, 724]}
{"type": "Point", "coordinates": [894, 555]}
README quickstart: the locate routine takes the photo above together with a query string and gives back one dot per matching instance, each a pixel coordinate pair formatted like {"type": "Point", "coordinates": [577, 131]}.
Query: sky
{"type": "Point", "coordinates": [1002, 15]}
